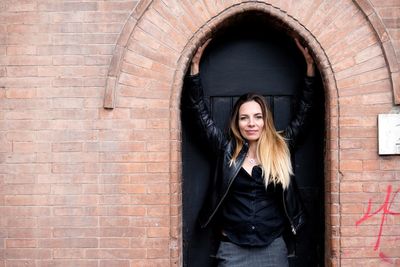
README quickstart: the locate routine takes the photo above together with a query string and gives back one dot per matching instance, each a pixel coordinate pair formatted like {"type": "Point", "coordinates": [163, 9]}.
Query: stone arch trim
{"type": "Point", "coordinates": [387, 46]}
{"type": "Point", "coordinates": [364, 5]}
{"type": "Point", "coordinates": [119, 52]}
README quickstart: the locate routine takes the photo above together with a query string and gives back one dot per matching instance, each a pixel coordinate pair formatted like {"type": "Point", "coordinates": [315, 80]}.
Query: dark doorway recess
{"type": "Point", "coordinates": [253, 53]}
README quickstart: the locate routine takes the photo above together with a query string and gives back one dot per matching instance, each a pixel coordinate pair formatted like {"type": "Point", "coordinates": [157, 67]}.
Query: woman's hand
{"type": "Point", "coordinates": [307, 57]}
{"type": "Point", "coordinates": [194, 68]}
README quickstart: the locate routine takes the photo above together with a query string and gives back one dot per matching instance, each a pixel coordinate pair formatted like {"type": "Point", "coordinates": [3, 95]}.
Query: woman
{"type": "Point", "coordinates": [254, 198]}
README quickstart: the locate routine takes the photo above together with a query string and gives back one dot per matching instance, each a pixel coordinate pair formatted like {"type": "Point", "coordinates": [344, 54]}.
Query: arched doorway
{"type": "Point", "coordinates": [253, 53]}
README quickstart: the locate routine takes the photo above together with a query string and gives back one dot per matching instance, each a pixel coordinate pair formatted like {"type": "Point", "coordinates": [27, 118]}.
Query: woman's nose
{"type": "Point", "coordinates": [251, 122]}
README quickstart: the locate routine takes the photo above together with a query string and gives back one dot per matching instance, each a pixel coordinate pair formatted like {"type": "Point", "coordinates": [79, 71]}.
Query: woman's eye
{"type": "Point", "coordinates": [242, 118]}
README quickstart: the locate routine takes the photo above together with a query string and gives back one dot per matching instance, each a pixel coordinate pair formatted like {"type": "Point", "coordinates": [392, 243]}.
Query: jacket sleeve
{"type": "Point", "coordinates": [305, 102]}
{"type": "Point", "coordinates": [193, 100]}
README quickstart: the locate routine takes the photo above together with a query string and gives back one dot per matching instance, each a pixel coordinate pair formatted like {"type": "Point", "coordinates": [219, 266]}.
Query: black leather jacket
{"type": "Point", "coordinates": [223, 147]}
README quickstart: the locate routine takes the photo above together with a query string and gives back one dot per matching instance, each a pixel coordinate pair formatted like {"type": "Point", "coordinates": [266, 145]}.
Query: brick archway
{"type": "Point", "coordinates": [323, 63]}
{"type": "Point", "coordinates": [153, 54]}
{"type": "Point", "coordinates": [365, 7]}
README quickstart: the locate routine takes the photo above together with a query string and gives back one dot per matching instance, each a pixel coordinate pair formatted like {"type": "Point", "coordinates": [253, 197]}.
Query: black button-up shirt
{"type": "Point", "coordinates": [252, 215]}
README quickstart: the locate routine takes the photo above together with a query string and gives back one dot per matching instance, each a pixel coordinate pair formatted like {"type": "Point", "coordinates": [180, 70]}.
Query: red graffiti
{"type": "Point", "coordinates": [385, 209]}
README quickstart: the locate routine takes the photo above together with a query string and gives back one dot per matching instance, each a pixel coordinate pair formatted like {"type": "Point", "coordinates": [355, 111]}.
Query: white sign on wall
{"type": "Point", "coordinates": [389, 134]}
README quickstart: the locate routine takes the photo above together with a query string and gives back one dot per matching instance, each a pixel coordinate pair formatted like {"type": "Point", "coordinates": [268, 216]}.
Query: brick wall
{"type": "Point", "coordinates": [81, 185]}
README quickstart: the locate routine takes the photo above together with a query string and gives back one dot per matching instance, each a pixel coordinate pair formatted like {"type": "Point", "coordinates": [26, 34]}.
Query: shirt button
{"type": "Point", "coordinates": [253, 227]}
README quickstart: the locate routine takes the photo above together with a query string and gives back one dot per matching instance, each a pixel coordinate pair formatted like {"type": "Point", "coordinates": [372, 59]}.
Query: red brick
{"type": "Point", "coordinates": [123, 168]}
{"type": "Point", "coordinates": [114, 221]}
{"type": "Point", "coordinates": [363, 132]}
{"type": "Point", "coordinates": [389, 164]}
{"type": "Point", "coordinates": [75, 211]}
{"type": "Point", "coordinates": [364, 121]}
{"type": "Point", "coordinates": [18, 263]}
{"type": "Point", "coordinates": [349, 208]}
{"type": "Point", "coordinates": [27, 34]}
{"type": "Point", "coordinates": [68, 221]}
{"type": "Point", "coordinates": [68, 262]}
{"type": "Point", "coordinates": [67, 147]}
{"type": "Point", "coordinates": [385, 3]}
{"type": "Point", "coordinates": [24, 200]}
{"type": "Point", "coordinates": [373, 175]}
{"type": "Point", "coordinates": [158, 253]}
{"type": "Point", "coordinates": [150, 199]}
{"type": "Point", "coordinates": [88, 200]}
{"type": "Point", "coordinates": [351, 165]}
{"type": "Point", "coordinates": [158, 146]}
{"type": "Point", "coordinates": [362, 154]}
{"type": "Point", "coordinates": [25, 114]}
{"type": "Point", "coordinates": [105, 17]}
{"type": "Point", "coordinates": [25, 82]}
{"type": "Point", "coordinates": [68, 60]}
{"type": "Point", "coordinates": [22, 71]}
{"type": "Point", "coordinates": [158, 232]}
{"type": "Point", "coordinates": [354, 197]}
{"type": "Point", "coordinates": [21, 243]}
{"type": "Point", "coordinates": [23, 253]}
{"type": "Point", "coordinates": [358, 252]}
{"type": "Point", "coordinates": [29, 60]}
{"type": "Point", "coordinates": [151, 263]}
{"type": "Point", "coordinates": [136, 253]}
{"type": "Point", "coordinates": [65, 6]}
{"type": "Point", "coordinates": [114, 263]}
{"type": "Point", "coordinates": [370, 165]}
{"type": "Point", "coordinates": [72, 82]}
{"type": "Point", "coordinates": [158, 167]}
{"type": "Point", "coordinates": [93, 189]}
{"type": "Point", "coordinates": [19, 158]}
{"type": "Point", "coordinates": [68, 253]}
{"type": "Point", "coordinates": [378, 86]}
{"type": "Point", "coordinates": [364, 78]}
{"type": "Point", "coordinates": [68, 243]}
{"type": "Point", "coordinates": [67, 168]}
{"type": "Point", "coordinates": [26, 189]}
{"type": "Point", "coordinates": [114, 243]}
{"type": "Point", "coordinates": [72, 157]}
{"type": "Point", "coordinates": [24, 5]}
{"type": "Point", "coordinates": [351, 187]}
{"type": "Point", "coordinates": [122, 232]}
{"type": "Point", "coordinates": [75, 232]}
{"type": "Point", "coordinates": [127, 211]}
{"type": "Point", "coordinates": [153, 221]}
{"type": "Point", "coordinates": [21, 222]}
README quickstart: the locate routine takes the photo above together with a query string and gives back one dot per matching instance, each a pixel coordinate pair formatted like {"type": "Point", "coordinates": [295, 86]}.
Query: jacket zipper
{"type": "Point", "coordinates": [223, 197]}
{"type": "Point", "coordinates": [287, 214]}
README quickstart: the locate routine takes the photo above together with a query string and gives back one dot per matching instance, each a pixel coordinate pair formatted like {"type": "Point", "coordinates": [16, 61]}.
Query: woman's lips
{"type": "Point", "coordinates": [251, 132]}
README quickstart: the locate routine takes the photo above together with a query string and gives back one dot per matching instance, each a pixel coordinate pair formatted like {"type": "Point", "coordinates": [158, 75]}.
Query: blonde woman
{"type": "Point", "coordinates": [254, 198]}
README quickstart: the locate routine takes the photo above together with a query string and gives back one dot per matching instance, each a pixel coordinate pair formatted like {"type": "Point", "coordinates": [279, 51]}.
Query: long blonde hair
{"type": "Point", "coordinates": [272, 150]}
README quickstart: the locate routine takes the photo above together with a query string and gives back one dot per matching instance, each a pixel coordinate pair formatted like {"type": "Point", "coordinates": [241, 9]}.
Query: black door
{"type": "Point", "coordinates": [253, 56]}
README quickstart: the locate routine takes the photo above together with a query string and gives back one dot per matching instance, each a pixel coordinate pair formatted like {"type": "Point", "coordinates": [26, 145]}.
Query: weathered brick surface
{"type": "Point", "coordinates": [81, 185]}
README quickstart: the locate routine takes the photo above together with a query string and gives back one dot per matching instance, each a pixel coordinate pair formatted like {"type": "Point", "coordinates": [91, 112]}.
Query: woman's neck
{"type": "Point", "coordinates": [251, 157]}
{"type": "Point", "coordinates": [252, 153]}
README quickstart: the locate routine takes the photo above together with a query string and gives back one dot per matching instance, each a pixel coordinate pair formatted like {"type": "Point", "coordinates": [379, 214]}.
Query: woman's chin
{"type": "Point", "coordinates": [252, 138]}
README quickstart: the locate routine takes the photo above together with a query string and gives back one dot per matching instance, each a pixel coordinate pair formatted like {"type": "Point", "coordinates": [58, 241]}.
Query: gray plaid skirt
{"type": "Point", "coordinates": [273, 255]}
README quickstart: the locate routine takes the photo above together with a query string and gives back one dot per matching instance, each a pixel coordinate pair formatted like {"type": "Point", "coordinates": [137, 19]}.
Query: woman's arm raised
{"type": "Point", "coordinates": [196, 105]}
{"type": "Point", "coordinates": [194, 66]}
{"type": "Point", "coordinates": [308, 58]}
{"type": "Point", "coordinates": [297, 125]}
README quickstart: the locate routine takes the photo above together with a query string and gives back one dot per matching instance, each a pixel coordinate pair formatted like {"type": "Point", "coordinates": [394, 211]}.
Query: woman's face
{"type": "Point", "coordinates": [251, 120]}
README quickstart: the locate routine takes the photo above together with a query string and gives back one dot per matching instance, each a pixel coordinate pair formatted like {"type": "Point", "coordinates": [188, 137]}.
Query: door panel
{"type": "Point", "coordinates": [264, 60]}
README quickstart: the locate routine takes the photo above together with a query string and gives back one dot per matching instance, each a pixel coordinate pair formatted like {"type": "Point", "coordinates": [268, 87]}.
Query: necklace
{"type": "Point", "coordinates": [251, 160]}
